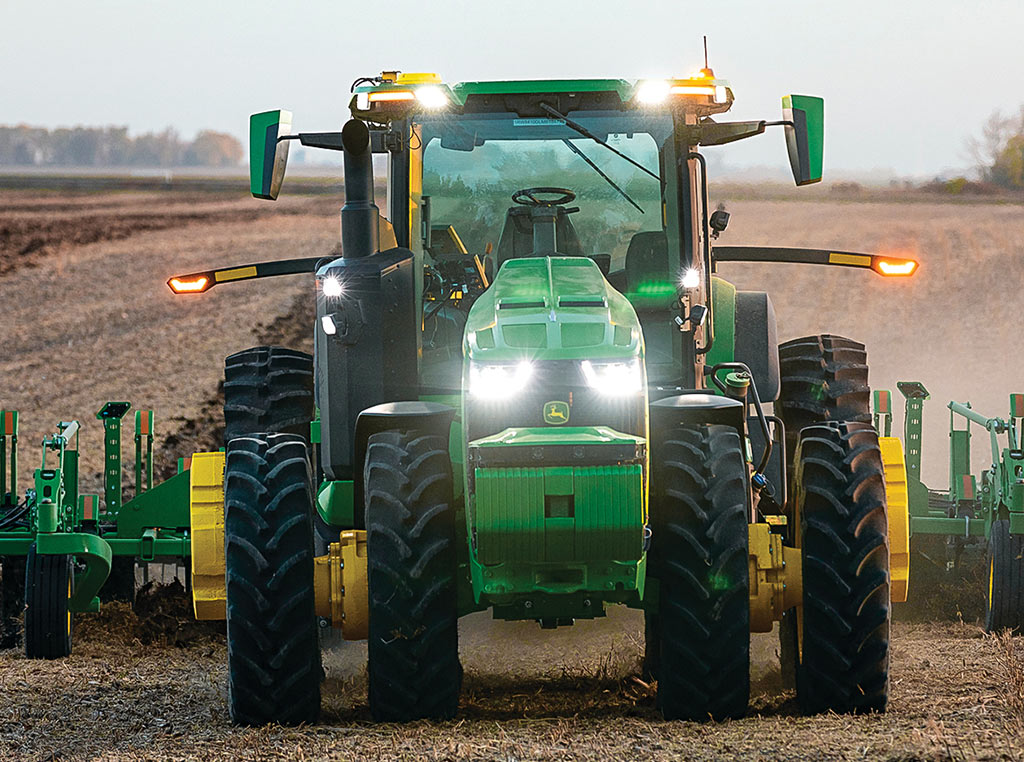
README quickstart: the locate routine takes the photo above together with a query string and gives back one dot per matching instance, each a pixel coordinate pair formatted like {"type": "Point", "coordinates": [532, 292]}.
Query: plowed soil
{"type": "Point", "coordinates": [86, 317]}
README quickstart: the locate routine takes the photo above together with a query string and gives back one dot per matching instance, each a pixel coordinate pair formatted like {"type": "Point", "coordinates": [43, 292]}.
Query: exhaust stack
{"type": "Point", "coordinates": [360, 216]}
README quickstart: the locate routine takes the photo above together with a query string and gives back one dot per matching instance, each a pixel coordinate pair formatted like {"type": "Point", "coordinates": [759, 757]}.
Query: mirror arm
{"type": "Point", "coordinates": [329, 140]}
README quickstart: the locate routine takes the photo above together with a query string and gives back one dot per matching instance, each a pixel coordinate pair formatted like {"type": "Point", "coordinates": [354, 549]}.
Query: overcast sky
{"type": "Point", "coordinates": [904, 82]}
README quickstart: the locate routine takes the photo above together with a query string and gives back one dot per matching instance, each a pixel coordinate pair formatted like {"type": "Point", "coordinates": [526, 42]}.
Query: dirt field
{"type": "Point", "coordinates": [87, 317]}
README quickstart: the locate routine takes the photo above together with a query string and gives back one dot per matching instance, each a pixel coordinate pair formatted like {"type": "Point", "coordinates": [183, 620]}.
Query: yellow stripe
{"type": "Point", "coordinates": [237, 274]}
{"type": "Point", "coordinates": [858, 260]}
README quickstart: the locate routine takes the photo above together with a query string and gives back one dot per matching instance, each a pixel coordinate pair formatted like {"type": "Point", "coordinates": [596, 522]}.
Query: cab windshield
{"type": "Point", "coordinates": [473, 163]}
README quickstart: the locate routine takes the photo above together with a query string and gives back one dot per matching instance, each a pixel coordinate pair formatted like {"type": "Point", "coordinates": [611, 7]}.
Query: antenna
{"type": "Point", "coordinates": [705, 51]}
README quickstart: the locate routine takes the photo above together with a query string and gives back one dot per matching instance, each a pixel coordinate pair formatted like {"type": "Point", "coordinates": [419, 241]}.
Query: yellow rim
{"type": "Point", "coordinates": [69, 607]}
{"type": "Point", "coordinates": [991, 579]}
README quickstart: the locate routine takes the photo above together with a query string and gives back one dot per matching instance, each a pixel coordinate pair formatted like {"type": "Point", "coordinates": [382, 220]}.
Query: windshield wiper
{"type": "Point", "coordinates": [597, 169]}
{"type": "Point", "coordinates": [588, 134]}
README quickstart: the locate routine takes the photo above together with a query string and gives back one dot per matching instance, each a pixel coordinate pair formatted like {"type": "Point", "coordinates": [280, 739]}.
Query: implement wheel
{"type": "Point", "coordinates": [413, 643]}
{"type": "Point", "coordinates": [1005, 602]}
{"type": "Point", "coordinates": [842, 630]}
{"type": "Point", "coordinates": [824, 378]}
{"type": "Point", "coordinates": [49, 583]}
{"type": "Point", "coordinates": [12, 600]}
{"type": "Point", "coordinates": [273, 650]}
{"type": "Point", "coordinates": [699, 555]}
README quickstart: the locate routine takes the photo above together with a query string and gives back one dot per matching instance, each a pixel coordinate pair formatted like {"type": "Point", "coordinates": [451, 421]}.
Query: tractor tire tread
{"type": "Point", "coordinates": [414, 668]}
{"type": "Point", "coordinates": [274, 667]}
{"type": "Point", "coordinates": [844, 665]}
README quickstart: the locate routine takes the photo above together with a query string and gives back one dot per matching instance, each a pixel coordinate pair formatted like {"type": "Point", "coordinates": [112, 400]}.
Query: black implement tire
{"type": "Point", "coordinates": [12, 600]}
{"type": "Point", "coordinates": [268, 389]}
{"type": "Point", "coordinates": [120, 585]}
{"type": "Point", "coordinates": [844, 530]}
{"type": "Point", "coordinates": [824, 378]}
{"type": "Point", "coordinates": [414, 669]}
{"type": "Point", "coordinates": [1005, 602]}
{"type": "Point", "coordinates": [699, 555]}
{"type": "Point", "coordinates": [274, 666]}
{"type": "Point", "coordinates": [49, 582]}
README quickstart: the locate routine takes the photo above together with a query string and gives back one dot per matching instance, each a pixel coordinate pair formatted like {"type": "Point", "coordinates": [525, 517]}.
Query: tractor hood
{"type": "Point", "coordinates": [552, 308]}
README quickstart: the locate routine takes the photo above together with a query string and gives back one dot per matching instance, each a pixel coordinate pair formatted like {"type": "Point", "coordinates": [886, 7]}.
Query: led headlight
{"type": "Point", "coordinates": [614, 379]}
{"type": "Point", "coordinates": [498, 381]}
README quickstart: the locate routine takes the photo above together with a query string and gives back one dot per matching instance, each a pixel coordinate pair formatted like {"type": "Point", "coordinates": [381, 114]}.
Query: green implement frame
{"type": "Point", "coordinates": [55, 518]}
{"type": "Point", "coordinates": [964, 513]}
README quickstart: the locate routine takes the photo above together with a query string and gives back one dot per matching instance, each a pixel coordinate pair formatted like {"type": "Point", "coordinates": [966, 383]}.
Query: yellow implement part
{"type": "Point", "coordinates": [341, 586]}
{"type": "Point", "coordinates": [899, 517]}
{"type": "Point", "coordinates": [776, 577]}
{"type": "Point", "coordinates": [206, 512]}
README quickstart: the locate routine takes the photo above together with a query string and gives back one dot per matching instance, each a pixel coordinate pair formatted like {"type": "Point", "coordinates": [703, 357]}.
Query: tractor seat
{"type": "Point", "coordinates": [516, 239]}
{"type": "Point", "coordinates": [647, 259]}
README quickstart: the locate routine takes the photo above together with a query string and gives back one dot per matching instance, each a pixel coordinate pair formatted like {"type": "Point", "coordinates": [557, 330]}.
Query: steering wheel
{"type": "Point", "coordinates": [528, 196]}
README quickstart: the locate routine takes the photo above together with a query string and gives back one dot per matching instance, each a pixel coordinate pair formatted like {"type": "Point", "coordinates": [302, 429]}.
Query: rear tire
{"type": "Point", "coordinates": [274, 665]}
{"type": "Point", "coordinates": [49, 583]}
{"type": "Point", "coordinates": [270, 390]}
{"type": "Point", "coordinates": [414, 669]}
{"type": "Point", "coordinates": [824, 378]}
{"type": "Point", "coordinates": [699, 554]}
{"type": "Point", "coordinates": [1005, 602]}
{"type": "Point", "coordinates": [844, 663]}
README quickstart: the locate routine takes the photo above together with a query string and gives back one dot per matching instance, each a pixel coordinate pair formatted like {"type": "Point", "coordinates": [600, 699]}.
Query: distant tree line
{"type": "Point", "coordinates": [999, 152]}
{"type": "Point", "coordinates": [112, 146]}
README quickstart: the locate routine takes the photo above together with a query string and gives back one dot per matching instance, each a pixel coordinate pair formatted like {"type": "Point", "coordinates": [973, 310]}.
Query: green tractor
{"type": "Point", "coordinates": [532, 395]}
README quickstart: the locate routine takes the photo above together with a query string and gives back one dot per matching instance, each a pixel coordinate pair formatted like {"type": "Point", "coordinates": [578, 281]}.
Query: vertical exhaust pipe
{"type": "Point", "coordinates": [360, 217]}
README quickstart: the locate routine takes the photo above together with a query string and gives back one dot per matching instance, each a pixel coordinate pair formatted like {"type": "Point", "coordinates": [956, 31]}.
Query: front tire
{"type": "Point", "coordinates": [414, 669]}
{"type": "Point", "coordinates": [843, 524]}
{"type": "Point", "coordinates": [49, 583]}
{"type": "Point", "coordinates": [699, 554]}
{"type": "Point", "coordinates": [1005, 602]}
{"type": "Point", "coordinates": [274, 665]}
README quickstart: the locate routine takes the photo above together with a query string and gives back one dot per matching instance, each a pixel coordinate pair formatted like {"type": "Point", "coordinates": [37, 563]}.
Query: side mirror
{"type": "Point", "coordinates": [805, 136]}
{"type": "Point", "coordinates": [268, 155]}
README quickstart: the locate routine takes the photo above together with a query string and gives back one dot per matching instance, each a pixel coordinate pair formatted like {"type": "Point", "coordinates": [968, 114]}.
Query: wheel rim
{"type": "Point", "coordinates": [70, 577]}
{"type": "Point", "coordinates": [991, 579]}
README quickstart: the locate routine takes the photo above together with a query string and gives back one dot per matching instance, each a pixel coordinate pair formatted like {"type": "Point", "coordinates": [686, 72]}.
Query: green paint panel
{"type": "Point", "coordinates": [336, 503]}
{"type": "Point", "coordinates": [510, 514]}
{"type": "Point", "coordinates": [723, 297]}
{"type": "Point", "coordinates": [520, 514]}
{"type": "Point", "coordinates": [165, 506]}
{"type": "Point", "coordinates": [524, 304]}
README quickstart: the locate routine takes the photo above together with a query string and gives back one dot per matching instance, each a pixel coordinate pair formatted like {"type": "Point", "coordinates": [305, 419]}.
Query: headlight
{"type": "Point", "coordinates": [615, 379]}
{"type": "Point", "coordinates": [498, 381]}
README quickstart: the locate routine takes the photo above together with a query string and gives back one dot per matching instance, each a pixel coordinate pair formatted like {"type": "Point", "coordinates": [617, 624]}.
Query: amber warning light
{"type": "Point", "coordinates": [894, 267]}
{"type": "Point", "coordinates": [193, 284]}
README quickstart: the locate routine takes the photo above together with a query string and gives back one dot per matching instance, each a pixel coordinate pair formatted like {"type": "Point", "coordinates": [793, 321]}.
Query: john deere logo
{"type": "Point", "coordinates": [556, 412]}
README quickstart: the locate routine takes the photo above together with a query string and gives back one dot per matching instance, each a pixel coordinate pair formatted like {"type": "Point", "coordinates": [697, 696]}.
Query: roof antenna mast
{"type": "Point", "coordinates": [705, 51]}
